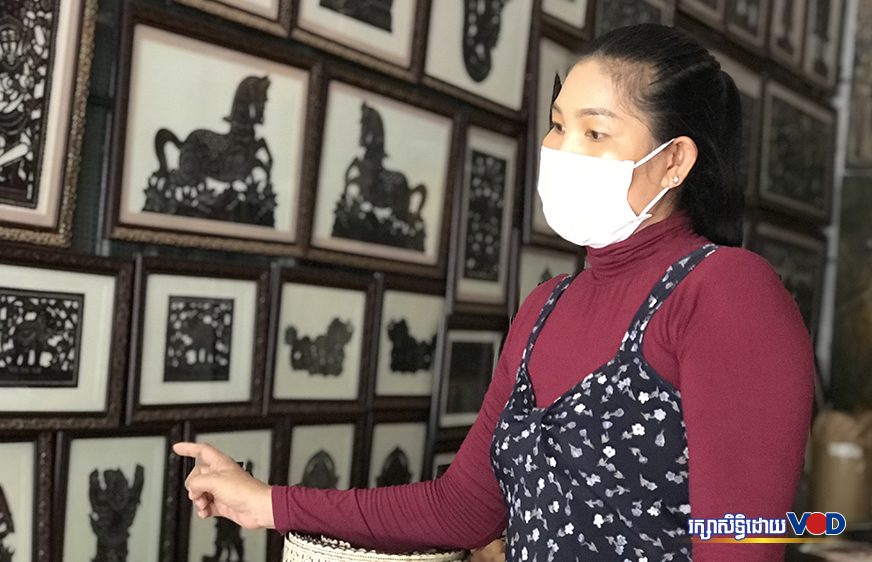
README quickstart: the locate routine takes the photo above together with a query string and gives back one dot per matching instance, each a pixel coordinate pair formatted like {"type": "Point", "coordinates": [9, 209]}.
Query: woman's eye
{"type": "Point", "coordinates": [557, 127]}
{"type": "Point", "coordinates": [595, 135]}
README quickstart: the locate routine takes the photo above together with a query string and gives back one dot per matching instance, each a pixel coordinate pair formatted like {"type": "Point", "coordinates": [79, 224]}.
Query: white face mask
{"type": "Point", "coordinates": [584, 198]}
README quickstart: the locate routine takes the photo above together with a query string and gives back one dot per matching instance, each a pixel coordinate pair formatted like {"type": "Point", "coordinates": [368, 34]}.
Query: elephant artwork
{"type": "Point", "coordinates": [199, 339]}
{"type": "Point", "coordinates": [376, 13]}
{"type": "Point", "coordinates": [40, 334]}
{"type": "Point", "coordinates": [482, 20]}
{"type": "Point", "coordinates": [320, 472]}
{"type": "Point", "coordinates": [114, 509]}
{"type": "Point", "coordinates": [221, 176]}
{"type": "Point", "coordinates": [323, 354]}
{"type": "Point", "coordinates": [377, 205]}
{"type": "Point", "coordinates": [409, 355]}
{"type": "Point", "coordinates": [395, 469]}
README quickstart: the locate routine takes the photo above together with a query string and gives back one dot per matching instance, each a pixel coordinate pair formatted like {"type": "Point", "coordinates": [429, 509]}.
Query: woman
{"type": "Point", "coordinates": [587, 448]}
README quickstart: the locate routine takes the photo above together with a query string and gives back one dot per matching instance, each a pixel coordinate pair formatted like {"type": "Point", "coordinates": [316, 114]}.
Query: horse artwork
{"type": "Point", "coordinates": [40, 338]}
{"type": "Point", "coordinates": [395, 470]}
{"type": "Point", "coordinates": [7, 527]}
{"type": "Point", "coordinates": [376, 13]}
{"type": "Point", "coordinates": [377, 205]}
{"type": "Point", "coordinates": [229, 544]}
{"type": "Point", "coordinates": [114, 509]}
{"type": "Point", "coordinates": [407, 354]}
{"type": "Point", "coordinates": [199, 339]}
{"type": "Point", "coordinates": [320, 472]}
{"type": "Point", "coordinates": [27, 45]}
{"type": "Point", "coordinates": [482, 20]}
{"type": "Point", "coordinates": [220, 176]}
{"type": "Point", "coordinates": [323, 354]}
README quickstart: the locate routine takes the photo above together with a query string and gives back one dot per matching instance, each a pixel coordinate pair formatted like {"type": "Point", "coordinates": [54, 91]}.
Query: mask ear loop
{"type": "Point", "coordinates": [654, 153]}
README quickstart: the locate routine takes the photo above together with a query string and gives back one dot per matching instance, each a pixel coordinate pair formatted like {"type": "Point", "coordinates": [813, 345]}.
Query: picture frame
{"type": "Point", "coordinates": [786, 32]}
{"type": "Point", "coordinates": [65, 329]}
{"type": "Point", "coordinates": [397, 448]}
{"type": "Point", "coordinates": [537, 265]}
{"type": "Point", "coordinates": [257, 444]}
{"type": "Point", "coordinates": [26, 494]}
{"type": "Point", "coordinates": [492, 168]}
{"type": "Point", "coordinates": [326, 451]}
{"type": "Point", "coordinates": [200, 341]}
{"type": "Point", "coordinates": [710, 12]}
{"type": "Point", "coordinates": [798, 256]}
{"type": "Point", "coordinates": [470, 352]}
{"type": "Point", "coordinates": [138, 465]}
{"type": "Point", "coordinates": [410, 316]}
{"type": "Point", "coordinates": [391, 41]}
{"type": "Point", "coordinates": [44, 119]}
{"type": "Point", "coordinates": [555, 60]}
{"type": "Point", "coordinates": [163, 191]}
{"type": "Point", "coordinates": [611, 14]}
{"type": "Point", "coordinates": [823, 41]}
{"type": "Point", "coordinates": [569, 17]}
{"type": "Point", "coordinates": [750, 86]}
{"type": "Point", "coordinates": [482, 66]}
{"type": "Point", "coordinates": [859, 141]}
{"type": "Point", "coordinates": [274, 18]}
{"type": "Point", "coordinates": [796, 160]}
{"type": "Point", "coordinates": [748, 23]}
{"type": "Point", "coordinates": [320, 340]}
{"type": "Point", "coordinates": [362, 221]}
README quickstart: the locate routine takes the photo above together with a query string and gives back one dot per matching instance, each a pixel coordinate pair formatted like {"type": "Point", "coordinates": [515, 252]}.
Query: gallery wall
{"type": "Point", "coordinates": [299, 231]}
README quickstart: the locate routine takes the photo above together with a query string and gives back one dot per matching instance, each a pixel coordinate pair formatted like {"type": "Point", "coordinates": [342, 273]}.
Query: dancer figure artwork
{"type": "Point", "coordinates": [484, 222]}
{"type": "Point", "coordinates": [220, 176]}
{"type": "Point", "coordinates": [320, 472]}
{"type": "Point", "coordinates": [377, 205]}
{"type": "Point", "coordinates": [395, 469]}
{"type": "Point", "coordinates": [229, 544]}
{"type": "Point", "coordinates": [114, 509]}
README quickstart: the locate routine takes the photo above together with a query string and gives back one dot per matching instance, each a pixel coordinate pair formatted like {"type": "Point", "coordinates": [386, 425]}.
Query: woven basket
{"type": "Point", "coordinates": [307, 548]}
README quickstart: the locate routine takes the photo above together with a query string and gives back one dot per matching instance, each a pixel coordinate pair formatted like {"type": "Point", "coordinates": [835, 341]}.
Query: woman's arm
{"type": "Point", "coordinates": [746, 373]}
{"type": "Point", "coordinates": [462, 509]}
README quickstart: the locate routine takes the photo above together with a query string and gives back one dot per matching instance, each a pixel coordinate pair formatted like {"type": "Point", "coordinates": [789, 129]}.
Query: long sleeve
{"type": "Point", "coordinates": [464, 508]}
{"type": "Point", "coordinates": [746, 371]}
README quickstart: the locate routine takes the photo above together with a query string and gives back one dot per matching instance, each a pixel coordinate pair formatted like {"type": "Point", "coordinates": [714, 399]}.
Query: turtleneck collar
{"type": "Point", "coordinates": [643, 247]}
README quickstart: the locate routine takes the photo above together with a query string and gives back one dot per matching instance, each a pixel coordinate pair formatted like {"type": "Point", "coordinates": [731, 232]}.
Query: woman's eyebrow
{"type": "Point", "coordinates": [588, 111]}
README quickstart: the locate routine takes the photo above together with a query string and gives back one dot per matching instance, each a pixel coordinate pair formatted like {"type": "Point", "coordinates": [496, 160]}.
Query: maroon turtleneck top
{"type": "Point", "coordinates": [730, 338]}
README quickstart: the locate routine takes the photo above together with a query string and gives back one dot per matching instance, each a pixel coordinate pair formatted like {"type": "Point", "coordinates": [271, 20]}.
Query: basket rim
{"type": "Point", "coordinates": [319, 544]}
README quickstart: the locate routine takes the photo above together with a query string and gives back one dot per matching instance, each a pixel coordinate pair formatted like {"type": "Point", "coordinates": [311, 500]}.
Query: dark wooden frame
{"type": "Point", "coordinates": [794, 207]}
{"type": "Point", "coordinates": [374, 419]}
{"type": "Point", "coordinates": [401, 93]}
{"type": "Point", "coordinates": [325, 278]}
{"type": "Point", "coordinates": [552, 23]}
{"type": "Point", "coordinates": [828, 84]}
{"type": "Point", "coordinates": [755, 43]}
{"type": "Point", "coordinates": [411, 73]}
{"type": "Point", "coordinates": [169, 495]}
{"type": "Point", "coordinates": [43, 472]}
{"type": "Point", "coordinates": [137, 13]}
{"type": "Point", "coordinates": [278, 448]}
{"type": "Point", "coordinates": [385, 283]}
{"type": "Point", "coordinates": [484, 103]}
{"type": "Point", "coordinates": [138, 413]}
{"type": "Point", "coordinates": [461, 206]}
{"type": "Point", "coordinates": [794, 233]}
{"type": "Point", "coordinates": [667, 15]}
{"type": "Point", "coordinates": [122, 272]}
{"type": "Point", "coordinates": [715, 19]}
{"type": "Point", "coordinates": [60, 233]}
{"type": "Point", "coordinates": [358, 453]}
{"type": "Point", "coordinates": [456, 322]}
{"type": "Point", "coordinates": [451, 446]}
{"type": "Point", "coordinates": [280, 26]}
{"type": "Point", "coordinates": [579, 254]}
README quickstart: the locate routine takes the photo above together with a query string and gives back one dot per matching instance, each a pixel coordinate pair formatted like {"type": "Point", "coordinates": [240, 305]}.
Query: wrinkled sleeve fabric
{"type": "Point", "coordinates": [464, 508]}
{"type": "Point", "coordinates": [746, 374]}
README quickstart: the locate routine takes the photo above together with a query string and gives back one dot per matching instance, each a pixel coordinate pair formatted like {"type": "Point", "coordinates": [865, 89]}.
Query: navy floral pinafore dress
{"type": "Point", "coordinates": [602, 472]}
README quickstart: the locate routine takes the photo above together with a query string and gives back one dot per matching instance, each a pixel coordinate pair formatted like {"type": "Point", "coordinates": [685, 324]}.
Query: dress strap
{"type": "Point", "coordinates": [675, 273]}
{"type": "Point", "coordinates": [543, 315]}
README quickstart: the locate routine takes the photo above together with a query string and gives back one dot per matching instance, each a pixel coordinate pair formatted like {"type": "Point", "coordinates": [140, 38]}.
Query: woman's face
{"type": "Point", "coordinates": [590, 117]}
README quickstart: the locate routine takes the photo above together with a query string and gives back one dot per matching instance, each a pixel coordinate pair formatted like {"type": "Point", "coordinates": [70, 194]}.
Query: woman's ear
{"type": "Point", "coordinates": [682, 157]}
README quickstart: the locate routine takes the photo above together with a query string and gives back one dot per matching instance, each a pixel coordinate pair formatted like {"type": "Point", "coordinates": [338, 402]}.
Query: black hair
{"type": "Point", "coordinates": [681, 89]}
